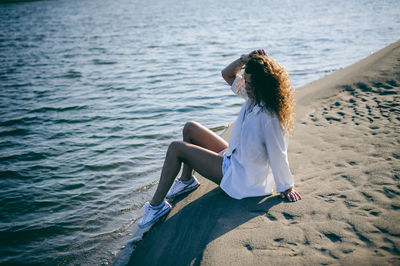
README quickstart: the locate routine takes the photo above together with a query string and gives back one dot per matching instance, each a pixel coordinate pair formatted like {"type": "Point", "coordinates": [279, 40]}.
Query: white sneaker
{"type": "Point", "coordinates": [152, 214]}
{"type": "Point", "coordinates": [179, 187]}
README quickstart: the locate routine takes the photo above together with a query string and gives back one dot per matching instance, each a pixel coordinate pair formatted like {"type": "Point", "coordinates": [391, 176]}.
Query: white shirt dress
{"type": "Point", "coordinates": [257, 152]}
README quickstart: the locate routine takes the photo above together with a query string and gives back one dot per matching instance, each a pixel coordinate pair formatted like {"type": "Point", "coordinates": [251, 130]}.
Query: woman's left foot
{"type": "Point", "coordinates": [152, 214]}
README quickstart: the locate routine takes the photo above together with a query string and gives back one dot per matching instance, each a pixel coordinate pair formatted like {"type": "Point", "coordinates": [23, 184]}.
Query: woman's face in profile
{"type": "Point", "coordinates": [249, 90]}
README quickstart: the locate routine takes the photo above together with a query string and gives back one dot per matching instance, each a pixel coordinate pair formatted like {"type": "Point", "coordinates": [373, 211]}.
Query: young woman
{"type": "Point", "coordinates": [255, 158]}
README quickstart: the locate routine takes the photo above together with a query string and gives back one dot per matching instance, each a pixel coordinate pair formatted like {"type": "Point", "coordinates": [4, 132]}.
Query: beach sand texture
{"type": "Point", "coordinates": [345, 158]}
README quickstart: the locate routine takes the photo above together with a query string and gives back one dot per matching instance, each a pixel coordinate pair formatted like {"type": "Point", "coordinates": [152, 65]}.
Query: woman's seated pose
{"type": "Point", "coordinates": [255, 158]}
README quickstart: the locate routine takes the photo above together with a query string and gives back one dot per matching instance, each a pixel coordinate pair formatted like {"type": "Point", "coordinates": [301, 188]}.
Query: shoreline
{"type": "Point", "coordinates": [346, 166]}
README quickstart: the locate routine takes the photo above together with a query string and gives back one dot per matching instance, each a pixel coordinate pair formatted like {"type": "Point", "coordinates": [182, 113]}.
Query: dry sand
{"type": "Point", "coordinates": [345, 157]}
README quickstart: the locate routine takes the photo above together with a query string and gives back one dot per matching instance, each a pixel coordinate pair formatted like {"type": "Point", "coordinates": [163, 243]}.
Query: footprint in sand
{"type": "Point", "coordinates": [333, 237]}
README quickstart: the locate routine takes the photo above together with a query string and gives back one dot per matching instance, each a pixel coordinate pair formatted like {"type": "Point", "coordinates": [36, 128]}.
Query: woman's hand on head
{"type": "Point", "coordinates": [244, 58]}
{"type": "Point", "coordinates": [291, 195]}
{"type": "Point", "coordinates": [259, 52]}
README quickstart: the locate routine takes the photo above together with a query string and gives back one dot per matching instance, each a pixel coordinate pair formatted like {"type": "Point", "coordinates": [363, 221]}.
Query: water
{"type": "Point", "coordinates": [92, 92]}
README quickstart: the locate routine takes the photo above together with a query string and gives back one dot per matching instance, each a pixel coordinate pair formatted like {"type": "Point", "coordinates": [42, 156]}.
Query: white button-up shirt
{"type": "Point", "coordinates": [257, 150]}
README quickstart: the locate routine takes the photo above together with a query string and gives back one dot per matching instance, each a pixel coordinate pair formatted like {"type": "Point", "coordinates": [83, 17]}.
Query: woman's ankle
{"type": "Point", "coordinates": [156, 204]}
{"type": "Point", "coordinates": [187, 180]}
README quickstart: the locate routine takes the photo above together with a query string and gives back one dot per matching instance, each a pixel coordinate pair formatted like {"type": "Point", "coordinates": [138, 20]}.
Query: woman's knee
{"type": "Point", "coordinates": [175, 148]}
{"type": "Point", "coordinates": [189, 128]}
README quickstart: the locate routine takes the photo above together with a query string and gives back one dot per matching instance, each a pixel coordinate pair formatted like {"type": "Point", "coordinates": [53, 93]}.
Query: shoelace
{"type": "Point", "coordinates": [178, 181]}
{"type": "Point", "coordinates": [148, 207]}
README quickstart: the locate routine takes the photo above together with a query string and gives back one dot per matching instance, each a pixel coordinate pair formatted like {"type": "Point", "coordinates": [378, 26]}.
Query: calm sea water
{"type": "Point", "coordinates": [92, 92]}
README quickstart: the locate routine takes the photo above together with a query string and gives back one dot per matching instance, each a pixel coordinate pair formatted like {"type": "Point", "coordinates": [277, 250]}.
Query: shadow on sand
{"type": "Point", "coordinates": [182, 238]}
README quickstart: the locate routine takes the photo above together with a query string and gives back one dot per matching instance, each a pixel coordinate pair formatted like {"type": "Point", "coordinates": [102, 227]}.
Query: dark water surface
{"type": "Point", "coordinates": [92, 92]}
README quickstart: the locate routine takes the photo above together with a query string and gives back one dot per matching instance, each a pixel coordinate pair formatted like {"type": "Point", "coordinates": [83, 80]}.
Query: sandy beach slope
{"type": "Point", "coordinates": [345, 157]}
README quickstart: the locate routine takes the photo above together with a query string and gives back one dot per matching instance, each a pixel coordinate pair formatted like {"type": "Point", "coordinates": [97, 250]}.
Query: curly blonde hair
{"type": "Point", "coordinates": [272, 89]}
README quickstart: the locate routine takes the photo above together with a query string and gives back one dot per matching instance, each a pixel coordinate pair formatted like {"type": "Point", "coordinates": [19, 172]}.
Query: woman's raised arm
{"type": "Point", "coordinates": [230, 71]}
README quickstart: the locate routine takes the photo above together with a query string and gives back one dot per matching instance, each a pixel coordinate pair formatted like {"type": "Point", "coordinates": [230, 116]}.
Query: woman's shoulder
{"type": "Point", "coordinates": [266, 114]}
{"type": "Point", "coordinates": [267, 117]}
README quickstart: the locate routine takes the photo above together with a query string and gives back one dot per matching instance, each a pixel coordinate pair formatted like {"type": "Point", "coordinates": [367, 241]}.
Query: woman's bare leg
{"type": "Point", "coordinates": [206, 162]}
{"type": "Point", "coordinates": [199, 135]}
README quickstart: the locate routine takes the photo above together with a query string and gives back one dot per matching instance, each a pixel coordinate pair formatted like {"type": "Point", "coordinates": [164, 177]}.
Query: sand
{"type": "Point", "coordinates": [345, 158]}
